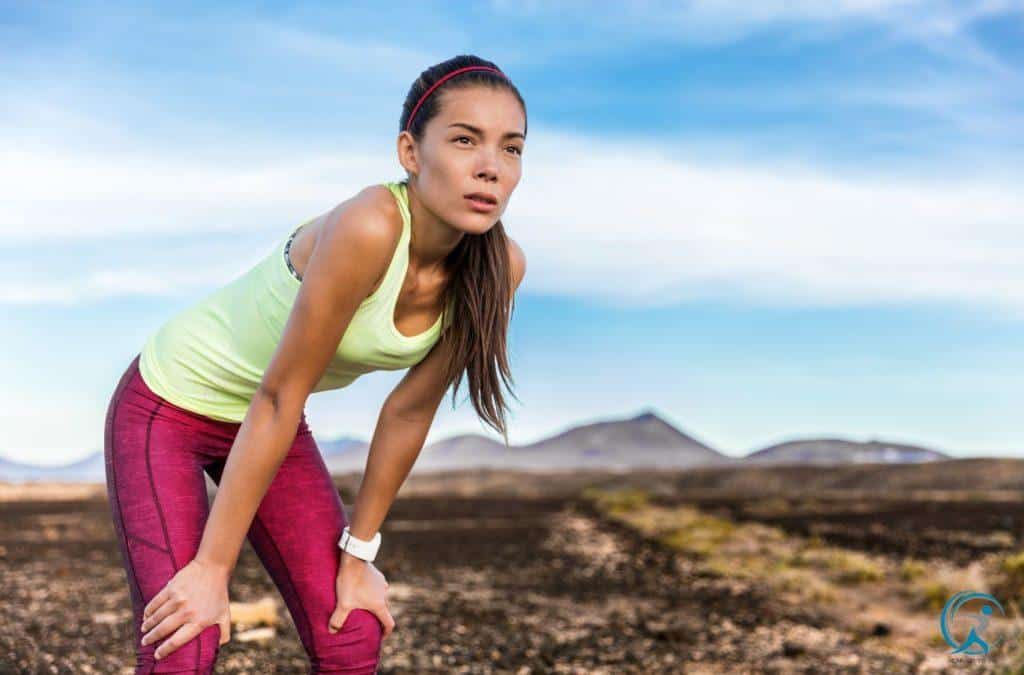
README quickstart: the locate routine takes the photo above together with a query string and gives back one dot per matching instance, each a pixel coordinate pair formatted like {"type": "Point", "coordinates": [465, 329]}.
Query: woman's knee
{"type": "Point", "coordinates": [355, 649]}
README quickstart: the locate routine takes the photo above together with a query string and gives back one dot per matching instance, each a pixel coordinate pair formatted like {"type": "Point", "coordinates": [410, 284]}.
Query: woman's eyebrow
{"type": "Point", "coordinates": [480, 132]}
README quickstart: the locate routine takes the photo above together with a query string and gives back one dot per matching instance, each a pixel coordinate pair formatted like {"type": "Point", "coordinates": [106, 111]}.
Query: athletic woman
{"type": "Point", "coordinates": [415, 274]}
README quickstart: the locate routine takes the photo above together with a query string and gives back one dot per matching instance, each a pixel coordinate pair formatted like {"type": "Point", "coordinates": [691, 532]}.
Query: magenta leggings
{"type": "Point", "coordinates": [156, 454]}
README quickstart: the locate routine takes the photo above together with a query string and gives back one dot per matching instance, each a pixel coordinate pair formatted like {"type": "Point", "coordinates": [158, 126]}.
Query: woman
{"type": "Point", "coordinates": [415, 274]}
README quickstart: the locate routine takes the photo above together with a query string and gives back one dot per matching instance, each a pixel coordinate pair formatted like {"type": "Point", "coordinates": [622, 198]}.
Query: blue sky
{"type": "Point", "coordinates": [764, 221]}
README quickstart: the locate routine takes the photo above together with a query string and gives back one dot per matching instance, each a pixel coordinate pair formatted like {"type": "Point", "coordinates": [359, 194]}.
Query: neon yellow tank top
{"type": "Point", "coordinates": [210, 357]}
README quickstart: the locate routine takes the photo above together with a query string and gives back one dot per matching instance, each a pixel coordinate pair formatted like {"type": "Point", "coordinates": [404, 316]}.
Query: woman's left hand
{"type": "Point", "coordinates": [360, 585]}
{"type": "Point", "coordinates": [194, 598]}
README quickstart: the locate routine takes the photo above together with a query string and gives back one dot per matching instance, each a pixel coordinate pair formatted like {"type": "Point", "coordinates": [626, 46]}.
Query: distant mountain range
{"type": "Point", "coordinates": [643, 441]}
{"type": "Point", "coordinates": [89, 469]}
{"type": "Point", "coordinates": [839, 451]}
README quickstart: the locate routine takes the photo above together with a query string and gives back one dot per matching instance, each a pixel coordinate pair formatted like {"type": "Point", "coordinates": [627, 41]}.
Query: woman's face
{"type": "Point", "coordinates": [473, 145]}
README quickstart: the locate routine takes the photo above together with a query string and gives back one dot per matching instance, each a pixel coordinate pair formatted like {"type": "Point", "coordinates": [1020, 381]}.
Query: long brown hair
{"type": "Point", "coordinates": [480, 290]}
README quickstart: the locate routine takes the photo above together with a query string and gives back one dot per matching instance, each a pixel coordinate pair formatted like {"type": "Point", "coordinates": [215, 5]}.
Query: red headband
{"type": "Point", "coordinates": [438, 84]}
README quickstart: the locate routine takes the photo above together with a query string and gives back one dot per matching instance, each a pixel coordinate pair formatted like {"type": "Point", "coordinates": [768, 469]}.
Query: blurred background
{"type": "Point", "coordinates": [767, 355]}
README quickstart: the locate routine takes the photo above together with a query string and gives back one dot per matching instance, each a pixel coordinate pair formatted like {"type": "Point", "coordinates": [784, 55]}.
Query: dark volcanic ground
{"type": "Point", "coordinates": [955, 529]}
{"type": "Point", "coordinates": [478, 585]}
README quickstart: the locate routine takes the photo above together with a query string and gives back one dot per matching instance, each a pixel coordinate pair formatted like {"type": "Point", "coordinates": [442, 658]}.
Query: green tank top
{"type": "Point", "coordinates": [210, 357]}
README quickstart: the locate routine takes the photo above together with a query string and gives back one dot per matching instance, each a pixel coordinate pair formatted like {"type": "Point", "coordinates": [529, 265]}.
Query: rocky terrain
{"type": "Point", "coordinates": [543, 580]}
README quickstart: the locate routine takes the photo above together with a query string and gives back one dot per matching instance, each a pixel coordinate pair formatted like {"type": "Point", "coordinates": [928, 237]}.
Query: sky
{"type": "Point", "coordinates": [761, 221]}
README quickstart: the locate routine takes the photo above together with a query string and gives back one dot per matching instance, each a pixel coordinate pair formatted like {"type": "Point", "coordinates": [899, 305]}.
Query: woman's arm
{"type": "Point", "coordinates": [352, 252]}
{"type": "Point", "coordinates": [402, 428]}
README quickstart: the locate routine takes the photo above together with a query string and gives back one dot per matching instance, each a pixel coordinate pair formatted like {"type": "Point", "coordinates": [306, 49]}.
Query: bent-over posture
{"type": "Point", "coordinates": [415, 274]}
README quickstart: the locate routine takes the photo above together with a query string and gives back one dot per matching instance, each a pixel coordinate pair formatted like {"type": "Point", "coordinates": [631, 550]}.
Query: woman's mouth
{"type": "Point", "coordinates": [482, 203]}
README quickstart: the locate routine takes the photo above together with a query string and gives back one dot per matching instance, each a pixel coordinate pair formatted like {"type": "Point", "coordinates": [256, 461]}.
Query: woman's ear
{"type": "Point", "coordinates": [407, 153]}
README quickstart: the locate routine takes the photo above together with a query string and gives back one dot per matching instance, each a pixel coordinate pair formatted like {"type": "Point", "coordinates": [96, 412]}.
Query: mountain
{"type": "Point", "coordinates": [466, 450]}
{"type": "Point", "coordinates": [344, 454]}
{"type": "Point", "coordinates": [88, 469]}
{"type": "Point", "coordinates": [830, 451]}
{"type": "Point", "coordinates": [643, 441]}
{"type": "Point", "coordinates": [458, 451]}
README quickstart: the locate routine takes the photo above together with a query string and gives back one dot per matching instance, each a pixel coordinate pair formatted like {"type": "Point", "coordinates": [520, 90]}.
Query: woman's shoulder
{"type": "Point", "coordinates": [360, 233]}
{"type": "Point", "coordinates": [370, 215]}
{"type": "Point", "coordinates": [518, 259]}
{"type": "Point", "coordinates": [380, 197]}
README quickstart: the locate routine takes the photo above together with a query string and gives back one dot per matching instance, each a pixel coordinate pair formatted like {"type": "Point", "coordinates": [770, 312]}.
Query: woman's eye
{"type": "Point", "coordinates": [515, 149]}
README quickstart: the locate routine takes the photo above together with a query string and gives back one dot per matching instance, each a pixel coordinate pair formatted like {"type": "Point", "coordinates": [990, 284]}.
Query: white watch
{"type": "Point", "coordinates": [360, 548]}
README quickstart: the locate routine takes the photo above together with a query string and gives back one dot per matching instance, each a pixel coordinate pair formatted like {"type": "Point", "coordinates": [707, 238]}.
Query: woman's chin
{"type": "Point", "coordinates": [476, 223]}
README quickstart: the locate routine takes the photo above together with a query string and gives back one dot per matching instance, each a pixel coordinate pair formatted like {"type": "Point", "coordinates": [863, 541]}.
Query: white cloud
{"type": "Point", "coordinates": [53, 194]}
{"type": "Point", "coordinates": [621, 221]}
{"type": "Point", "coordinates": [639, 226]}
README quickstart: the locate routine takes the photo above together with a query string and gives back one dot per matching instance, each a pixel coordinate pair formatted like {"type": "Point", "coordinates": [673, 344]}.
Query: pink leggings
{"type": "Point", "coordinates": [156, 454]}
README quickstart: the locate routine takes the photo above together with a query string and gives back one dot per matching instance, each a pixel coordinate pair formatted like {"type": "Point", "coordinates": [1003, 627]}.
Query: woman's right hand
{"type": "Point", "coordinates": [360, 585]}
{"type": "Point", "coordinates": [194, 598]}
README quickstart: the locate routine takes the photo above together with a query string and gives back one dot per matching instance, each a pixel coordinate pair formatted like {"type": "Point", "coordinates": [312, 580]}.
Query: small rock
{"type": "Point", "coordinates": [934, 663]}
{"type": "Point", "coordinates": [263, 611]}
{"type": "Point", "coordinates": [845, 660]}
{"type": "Point", "coordinates": [262, 634]}
{"type": "Point", "coordinates": [106, 617]}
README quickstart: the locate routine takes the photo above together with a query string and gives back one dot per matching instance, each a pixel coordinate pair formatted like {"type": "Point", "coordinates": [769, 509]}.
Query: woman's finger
{"type": "Point", "coordinates": [225, 628]}
{"type": "Point", "coordinates": [158, 615]}
{"type": "Point", "coordinates": [181, 636]}
{"type": "Point", "coordinates": [169, 624]}
{"type": "Point", "coordinates": [157, 600]}
{"type": "Point", "coordinates": [386, 619]}
{"type": "Point", "coordinates": [337, 619]}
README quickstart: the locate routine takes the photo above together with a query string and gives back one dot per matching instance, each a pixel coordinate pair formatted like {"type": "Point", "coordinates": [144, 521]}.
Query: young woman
{"type": "Point", "coordinates": [416, 274]}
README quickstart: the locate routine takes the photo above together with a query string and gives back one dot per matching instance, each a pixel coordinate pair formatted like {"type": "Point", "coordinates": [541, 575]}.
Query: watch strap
{"type": "Point", "coordinates": [360, 548]}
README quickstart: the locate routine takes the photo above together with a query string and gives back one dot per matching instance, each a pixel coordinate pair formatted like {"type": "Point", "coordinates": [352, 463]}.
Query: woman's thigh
{"type": "Point", "coordinates": [154, 455]}
{"type": "Point", "coordinates": [295, 534]}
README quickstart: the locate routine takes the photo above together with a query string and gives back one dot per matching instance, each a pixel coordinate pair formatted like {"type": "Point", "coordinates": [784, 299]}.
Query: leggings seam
{"type": "Point", "coordinates": [152, 486]}
{"type": "Point", "coordinates": [146, 542]}
{"type": "Point", "coordinates": [288, 576]}
{"type": "Point", "coordinates": [117, 498]}
{"type": "Point", "coordinates": [160, 513]}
